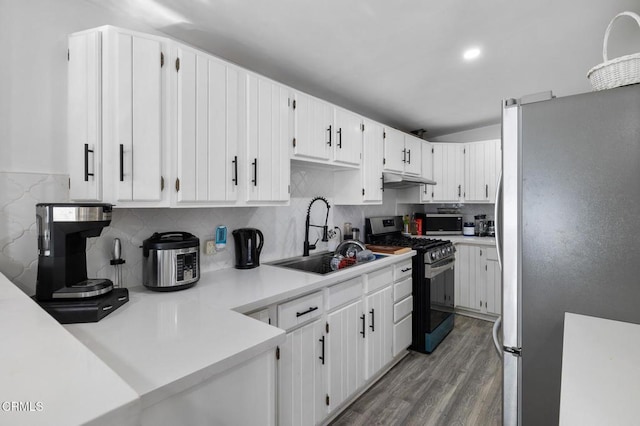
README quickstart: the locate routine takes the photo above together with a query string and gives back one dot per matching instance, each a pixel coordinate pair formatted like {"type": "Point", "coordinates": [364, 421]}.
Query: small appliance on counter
{"type": "Point", "coordinates": [440, 223]}
{"type": "Point", "coordinates": [62, 286]}
{"type": "Point", "coordinates": [491, 228]}
{"type": "Point", "coordinates": [171, 261]}
{"type": "Point", "coordinates": [469, 229]}
{"type": "Point", "coordinates": [480, 225]}
{"type": "Point", "coordinates": [248, 247]}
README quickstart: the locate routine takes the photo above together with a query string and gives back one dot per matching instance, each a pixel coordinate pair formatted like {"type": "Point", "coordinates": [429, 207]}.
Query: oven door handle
{"type": "Point", "coordinates": [439, 269]}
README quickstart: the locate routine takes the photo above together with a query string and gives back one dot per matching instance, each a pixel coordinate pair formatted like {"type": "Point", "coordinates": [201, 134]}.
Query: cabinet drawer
{"type": "Point", "coordinates": [378, 279]}
{"type": "Point", "coordinates": [401, 309]}
{"type": "Point", "coordinates": [342, 293]}
{"type": "Point", "coordinates": [300, 310]}
{"type": "Point", "coordinates": [403, 270]}
{"type": "Point", "coordinates": [492, 253]}
{"type": "Point", "coordinates": [402, 335]}
{"type": "Point", "coordinates": [402, 289]}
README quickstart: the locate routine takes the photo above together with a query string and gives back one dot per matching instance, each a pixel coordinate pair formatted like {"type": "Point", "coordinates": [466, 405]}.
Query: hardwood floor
{"type": "Point", "coordinates": [458, 384]}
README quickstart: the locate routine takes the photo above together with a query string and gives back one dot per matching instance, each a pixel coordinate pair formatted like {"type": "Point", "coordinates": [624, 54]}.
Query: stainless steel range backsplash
{"type": "Point", "coordinates": [283, 227]}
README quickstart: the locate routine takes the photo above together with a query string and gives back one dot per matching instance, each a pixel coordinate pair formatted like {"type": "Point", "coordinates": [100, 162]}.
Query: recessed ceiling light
{"type": "Point", "coordinates": [471, 54]}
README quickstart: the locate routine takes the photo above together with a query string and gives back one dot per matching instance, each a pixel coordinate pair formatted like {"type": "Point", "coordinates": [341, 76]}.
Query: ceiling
{"type": "Point", "coordinates": [400, 62]}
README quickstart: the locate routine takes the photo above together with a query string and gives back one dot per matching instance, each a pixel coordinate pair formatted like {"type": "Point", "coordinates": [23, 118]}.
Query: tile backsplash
{"type": "Point", "coordinates": [283, 227]}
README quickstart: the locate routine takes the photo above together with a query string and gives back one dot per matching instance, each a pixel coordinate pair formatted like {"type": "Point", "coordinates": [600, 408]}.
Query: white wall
{"type": "Point", "coordinates": [33, 78]}
{"type": "Point", "coordinates": [478, 134]}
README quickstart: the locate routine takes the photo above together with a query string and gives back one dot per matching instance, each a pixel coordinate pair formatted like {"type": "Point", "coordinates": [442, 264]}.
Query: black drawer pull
{"type": "Point", "coordinates": [405, 269]}
{"type": "Point", "coordinates": [363, 326]}
{"type": "Point", "coordinates": [311, 309]}
{"type": "Point", "coordinates": [373, 319]}
{"type": "Point", "coordinates": [121, 163]}
{"type": "Point", "coordinates": [321, 357]}
{"type": "Point", "coordinates": [235, 170]}
{"type": "Point", "coordinates": [86, 162]}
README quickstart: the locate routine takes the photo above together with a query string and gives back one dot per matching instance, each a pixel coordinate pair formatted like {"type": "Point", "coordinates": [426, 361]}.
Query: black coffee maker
{"type": "Point", "coordinates": [62, 286]}
{"type": "Point", "coordinates": [247, 247]}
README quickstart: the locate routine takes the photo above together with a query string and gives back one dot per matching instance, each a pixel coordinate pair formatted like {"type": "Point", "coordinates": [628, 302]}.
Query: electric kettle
{"type": "Point", "coordinates": [248, 247]}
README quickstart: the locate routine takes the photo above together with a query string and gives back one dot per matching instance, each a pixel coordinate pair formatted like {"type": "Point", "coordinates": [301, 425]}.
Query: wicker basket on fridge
{"type": "Point", "coordinates": [616, 72]}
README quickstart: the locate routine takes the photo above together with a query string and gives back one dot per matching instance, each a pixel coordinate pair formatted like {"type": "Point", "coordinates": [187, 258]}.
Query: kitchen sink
{"type": "Point", "coordinates": [319, 263]}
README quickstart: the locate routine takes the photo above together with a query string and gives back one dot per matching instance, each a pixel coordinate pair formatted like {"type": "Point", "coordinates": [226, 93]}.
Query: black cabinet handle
{"type": "Point", "coordinates": [382, 183]}
{"type": "Point", "coordinates": [373, 319]}
{"type": "Point", "coordinates": [363, 326]}
{"type": "Point", "coordinates": [339, 132]}
{"type": "Point", "coordinates": [121, 163]}
{"type": "Point", "coordinates": [311, 309]}
{"type": "Point", "coordinates": [86, 162]}
{"type": "Point", "coordinates": [321, 357]}
{"type": "Point", "coordinates": [459, 188]}
{"type": "Point", "coordinates": [405, 269]}
{"type": "Point", "coordinates": [255, 172]}
{"type": "Point", "coordinates": [329, 130]}
{"type": "Point", "coordinates": [235, 170]}
{"type": "Point", "coordinates": [404, 155]}
{"type": "Point", "coordinates": [409, 154]}
{"type": "Point", "coordinates": [486, 190]}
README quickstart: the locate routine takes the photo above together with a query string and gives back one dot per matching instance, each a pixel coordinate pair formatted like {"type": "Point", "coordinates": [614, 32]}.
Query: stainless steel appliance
{"type": "Point", "coordinates": [171, 261]}
{"type": "Point", "coordinates": [62, 286]}
{"type": "Point", "coordinates": [441, 224]}
{"type": "Point", "coordinates": [249, 242]}
{"type": "Point", "coordinates": [480, 225]}
{"type": "Point", "coordinates": [432, 279]}
{"type": "Point", "coordinates": [562, 157]}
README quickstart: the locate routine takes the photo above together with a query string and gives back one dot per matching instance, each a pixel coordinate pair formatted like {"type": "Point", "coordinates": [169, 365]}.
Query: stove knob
{"type": "Point", "coordinates": [433, 255]}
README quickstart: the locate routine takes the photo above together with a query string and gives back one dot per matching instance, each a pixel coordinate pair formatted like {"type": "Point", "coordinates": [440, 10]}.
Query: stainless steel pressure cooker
{"type": "Point", "coordinates": [171, 261]}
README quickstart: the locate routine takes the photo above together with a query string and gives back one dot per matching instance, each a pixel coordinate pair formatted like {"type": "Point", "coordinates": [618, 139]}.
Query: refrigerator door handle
{"type": "Point", "coordinates": [496, 212]}
{"type": "Point", "coordinates": [496, 341]}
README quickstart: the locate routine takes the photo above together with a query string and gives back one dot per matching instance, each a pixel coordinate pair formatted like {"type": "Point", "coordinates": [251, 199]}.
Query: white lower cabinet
{"type": "Point", "coordinates": [301, 365]}
{"type": "Point", "coordinates": [345, 353]}
{"type": "Point", "coordinates": [379, 321]}
{"type": "Point", "coordinates": [478, 283]}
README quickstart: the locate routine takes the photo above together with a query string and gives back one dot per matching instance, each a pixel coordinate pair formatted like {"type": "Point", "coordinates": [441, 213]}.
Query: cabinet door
{"type": "Point", "coordinates": [493, 161]}
{"type": "Point", "coordinates": [348, 134]}
{"type": "Point", "coordinates": [268, 117]}
{"type": "Point", "coordinates": [345, 356]}
{"type": "Point", "coordinates": [373, 149]}
{"type": "Point", "coordinates": [301, 396]}
{"type": "Point", "coordinates": [448, 171]}
{"type": "Point", "coordinates": [84, 117]}
{"type": "Point", "coordinates": [394, 152]}
{"type": "Point", "coordinates": [468, 270]}
{"type": "Point", "coordinates": [208, 127]}
{"type": "Point", "coordinates": [427, 171]}
{"type": "Point", "coordinates": [493, 283]}
{"type": "Point", "coordinates": [379, 337]}
{"type": "Point", "coordinates": [413, 150]}
{"type": "Point", "coordinates": [475, 169]}
{"type": "Point", "coordinates": [138, 113]}
{"type": "Point", "coordinates": [313, 128]}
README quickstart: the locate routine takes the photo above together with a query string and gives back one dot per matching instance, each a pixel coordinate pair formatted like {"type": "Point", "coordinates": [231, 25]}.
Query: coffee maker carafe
{"type": "Point", "coordinates": [248, 247]}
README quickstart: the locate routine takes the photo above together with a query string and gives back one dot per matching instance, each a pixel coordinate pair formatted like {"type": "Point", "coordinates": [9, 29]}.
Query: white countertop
{"type": "Point", "coordinates": [164, 342]}
{"type": "Point", "coordinates": [462, 239]}
{"type": "Point", "coordinates": [60, 380]}
{"type": "Point", "coordinates": [600, 372]}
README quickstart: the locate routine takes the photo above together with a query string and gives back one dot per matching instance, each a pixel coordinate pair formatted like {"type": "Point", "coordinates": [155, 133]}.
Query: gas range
{"type": "Point", "coordinates": [388, 231]}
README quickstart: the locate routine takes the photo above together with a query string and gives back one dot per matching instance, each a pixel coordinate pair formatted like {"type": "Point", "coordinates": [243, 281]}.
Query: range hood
{"type": "Point", "coordinates": [399, 181]}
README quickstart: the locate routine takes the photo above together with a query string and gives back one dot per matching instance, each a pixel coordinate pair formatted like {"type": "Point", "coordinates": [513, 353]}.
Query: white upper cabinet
{"type": "Point", "coordinates": [324, 133]}
{"type": "Point", "coordinates": [348, 146]}
{"type": "Point", "coordinates": [448, 172]}
{"type": "Point", "coordinates": [208, 123]}
{"type": "Point", "coordinates": [137, 109]}
{"type": "Point", "coordinates": [268, 133]}
{"type": "Point", "coordinates": [402, 152]}
{"type": "Point", "coordinates": [482, 168]}
{"type": "Point", "coordinates": [85, 116]}
{"type": "Point", "coordinates": [117, 95]}
{"type": "Point", "coordinates": [314, 129]}
{"type": "Point", "coordinates": [363, 186]}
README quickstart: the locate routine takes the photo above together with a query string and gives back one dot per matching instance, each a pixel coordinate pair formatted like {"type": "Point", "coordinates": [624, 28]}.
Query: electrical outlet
{"type": "Point", "coordinates": [210, 247]}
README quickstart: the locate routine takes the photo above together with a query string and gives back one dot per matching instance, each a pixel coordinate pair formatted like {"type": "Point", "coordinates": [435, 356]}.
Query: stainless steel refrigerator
{"type": "Point", "coordinates": [568, 233]}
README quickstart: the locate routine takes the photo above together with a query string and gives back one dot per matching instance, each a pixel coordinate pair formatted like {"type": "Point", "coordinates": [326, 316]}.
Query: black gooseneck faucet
{"type": "Point", "coordinates": [307, 225]}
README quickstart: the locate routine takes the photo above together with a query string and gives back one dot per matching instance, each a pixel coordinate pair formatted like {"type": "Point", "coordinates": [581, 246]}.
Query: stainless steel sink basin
{"type": "Point", "coordinates": [317, 263]}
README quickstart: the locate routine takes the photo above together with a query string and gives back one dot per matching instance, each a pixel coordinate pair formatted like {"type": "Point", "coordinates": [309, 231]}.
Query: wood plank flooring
{"type": "Point", "coordinates": [460, 383]}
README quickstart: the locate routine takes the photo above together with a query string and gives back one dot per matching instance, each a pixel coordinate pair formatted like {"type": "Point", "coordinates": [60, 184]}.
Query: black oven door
{"type": "Point", "coordinates": [440, 278]}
